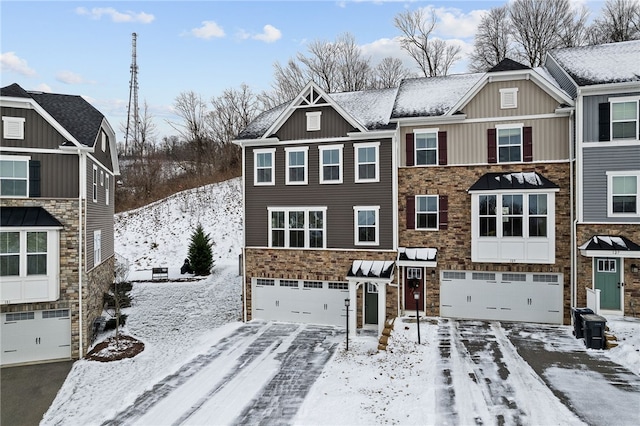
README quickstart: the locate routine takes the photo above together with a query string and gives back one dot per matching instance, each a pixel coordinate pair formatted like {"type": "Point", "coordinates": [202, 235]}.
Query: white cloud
{"type": "Point", "coordinates": [10, 62]}
{"type": "Point", "coordinates": [69, 77]}
{"type": "Point", "coordinates": [269, 34]}
{"type": "Point", "coordinates": [454, 22]}
{"type": "Point", "coordinates": [43, 87]}
{"type": "Point", "coordinates": [209, 29]}
{"type": "Point", "coordinates": [116, 16]}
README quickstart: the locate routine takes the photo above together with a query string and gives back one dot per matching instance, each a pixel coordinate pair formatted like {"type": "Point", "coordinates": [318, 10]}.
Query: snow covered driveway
{"type": "Point", "coordinates": [259, 373]}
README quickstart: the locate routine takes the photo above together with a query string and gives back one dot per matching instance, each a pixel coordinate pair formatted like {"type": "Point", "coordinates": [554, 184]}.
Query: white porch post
{"type": "Point", "coordinates": [353, 308]}
{"type": "Point", "coordinates": [382, 303]}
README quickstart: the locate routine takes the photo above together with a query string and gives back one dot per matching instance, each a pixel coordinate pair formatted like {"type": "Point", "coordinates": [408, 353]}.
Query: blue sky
{"type": "Point", "coordinates": [84, 47]}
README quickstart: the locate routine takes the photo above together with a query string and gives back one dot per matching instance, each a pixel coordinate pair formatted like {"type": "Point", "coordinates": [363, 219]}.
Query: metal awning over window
{"type": "Point", "coordinates": [509, 181]}
{"type": "Point", "coordinates": [610, 246]}
{"type": "Point", "coordinates": [372, 270]}
{"type": "Point", "coordinates": [23, 217]}
{"type": "Point", "coordinates": [417, 256]}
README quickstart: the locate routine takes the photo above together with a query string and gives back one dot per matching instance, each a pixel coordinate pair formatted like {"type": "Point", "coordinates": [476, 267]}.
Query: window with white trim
{"type": "Point", "coordinates": [509, 98]}
{"type": "Point", "coordinates": [295, 227]}
{"type": "Point", "coordinates": [296, 165]}
{"type": "Point", "coordinates": [24, 253]}
{"type": "Point", "coordinates": [509, 143]}
{"type": "Point", "coordinates": [95, 184]}
{"type": "Point", "coordinates": [427, 212]}
{"type": "Point", "coordinates": [97, 247]}
{"type": "Point", "coordinates": [426, 147]}
{"type": "Point", "coordinates": [101, 177]}
{"type": "Point", "coordinates": [367, 162]}
{"type": "Point", "coordinates": [264, 166]}
{"type": "Point", "coordinates": [330, 163]}
{"type": "Point", "coordinates": [106, 190]}
{"type": "Point", "coordinates": [313, 121]}
{"type": "Point", "coordinates": [14, 176]}
{"type": "Point", "coordinates": [624, 119]}
{"type": "Point", "coordinates": [623, 194]}
{"type": "Point", "coordinates": [366, 225]}
{"type": "Point", "coordinates": [13, 127]}
{"type": "Point", "coordinates": [103, 145]}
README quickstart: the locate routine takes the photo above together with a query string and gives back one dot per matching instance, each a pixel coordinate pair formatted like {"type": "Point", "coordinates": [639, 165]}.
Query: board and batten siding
{"type": "Point", "coordinates": [467, 142]}
{"type": "Point", "coordinates": [38, 133]}
{"type": "Point", "coordinates": [332, 124]}
{"type": "Point", "coordinates": [597, 161]}
{"type": "Point", "coordinates": [99, 216]}
{"type": "Point", "coordinates": [338, 198]}
{"type": "Point", "coordinates": [590, 119]}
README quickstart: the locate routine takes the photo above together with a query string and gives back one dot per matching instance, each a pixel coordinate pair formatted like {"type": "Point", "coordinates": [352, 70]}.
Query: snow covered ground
{"type": "Point", "coordinates": [455, 376]}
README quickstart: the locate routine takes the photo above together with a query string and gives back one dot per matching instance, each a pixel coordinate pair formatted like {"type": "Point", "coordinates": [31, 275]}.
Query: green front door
{"type": "Point", "coordinates": [370, 303]}
{"type": "Point", "coordinates": [607, 280]}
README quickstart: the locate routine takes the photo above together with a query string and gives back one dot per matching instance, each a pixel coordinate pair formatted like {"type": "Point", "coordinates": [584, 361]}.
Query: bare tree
{"type": "Point", "coordinates": [389, 73]}
{"type": "Point", "coordinates": [433, 56]}
{"type": "Point", "coordinates": [322, 64]}
{"type": "Point", "coordinates": [354, 71]}
{"type": "Point", "coordinates": [540, 26]}
{"type": "Point", "coordinates": [192, 109]}
{"type": "Point", "coordinates": [493, 40]}
{"type": "Point", "coordinates": [618, 21]}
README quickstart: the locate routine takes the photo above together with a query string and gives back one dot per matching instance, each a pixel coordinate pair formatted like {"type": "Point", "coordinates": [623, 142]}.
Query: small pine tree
{"type": "Point", "coordinates": [200, 253]}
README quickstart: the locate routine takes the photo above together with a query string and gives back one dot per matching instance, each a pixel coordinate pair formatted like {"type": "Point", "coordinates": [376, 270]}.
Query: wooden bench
{"type": "Point", "coordinates": [159, 274]}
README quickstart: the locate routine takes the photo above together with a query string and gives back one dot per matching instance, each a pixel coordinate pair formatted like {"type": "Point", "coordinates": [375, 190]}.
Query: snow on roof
{"type": "Point", "coordinates": [417, 253]}
{"type": "Point", "coordinates": [262, 122]}
{"type": "Point", "coordinates": [431, 96]}
{"type": "Point", "coordinates": [518, 180]}
{"type": "Point", "coordinates": [371, 268]}
{"type": "Point", "coordinates": [604, 63]}
{"type": "Point", "coordinates": [372, 108]}
{"type": "Point", "coordinates": [610, 242]}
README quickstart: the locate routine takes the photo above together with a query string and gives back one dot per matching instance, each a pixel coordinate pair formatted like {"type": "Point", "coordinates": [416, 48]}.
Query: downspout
{"type": "Point", "coordinates": [572, 216]}
{"type": "Point", "coordinates": [82, 160]}
{"type": "Point", "coordinates": [244, 240]}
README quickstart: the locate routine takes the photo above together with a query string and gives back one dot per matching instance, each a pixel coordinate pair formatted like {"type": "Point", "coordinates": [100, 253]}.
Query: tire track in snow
{"type": "Point", "coordinates": [446, 399]}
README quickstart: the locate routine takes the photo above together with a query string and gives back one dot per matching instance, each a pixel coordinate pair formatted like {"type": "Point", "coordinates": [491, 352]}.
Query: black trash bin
{"type": "Point", "coordinates": [594, 326]}
{"type": "Point", "coordinates": [577, 313]}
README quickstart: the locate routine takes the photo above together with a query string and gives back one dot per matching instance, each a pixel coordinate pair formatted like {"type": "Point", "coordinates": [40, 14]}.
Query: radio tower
{"type": "Point", "coordinates": [133, 118]}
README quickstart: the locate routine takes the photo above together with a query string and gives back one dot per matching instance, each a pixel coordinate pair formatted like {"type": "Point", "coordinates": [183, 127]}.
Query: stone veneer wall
{"type": "Point", "coordinates": [584, 271]}
{"type": "Point", "coordinates": [96, 282]}
{"type": "Point", "coordinates": [454, 243]}
{"type": "Point", "coordinates": [313, 265]}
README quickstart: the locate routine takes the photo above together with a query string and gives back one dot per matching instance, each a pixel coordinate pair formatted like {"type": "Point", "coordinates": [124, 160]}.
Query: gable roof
{"type": "Point", "coordinates": [600, 64]}
{"type": "Point", "coordinates": [508, 65]}
{"type": "Point", "coordinates": [75, 115]}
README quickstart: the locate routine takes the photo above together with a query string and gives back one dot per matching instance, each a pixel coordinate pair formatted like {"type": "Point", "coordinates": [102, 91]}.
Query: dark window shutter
{"type": "Point", "coordinates": [442, 148]}
{"type": "Point", "coordinates": [411, 212]}
{"type": "Point", "coordinates": [409, 147]}
{"type": "Point", "coordinates": [527, 144]}
{"type": "Point", "coordinates": [604, 122]}
{"type": "Point", "coordinates": [492, 149]}
{"type": "Point", "coordinates": [443, 213]}
{"type": "Point", "coordinates": [34, 178]}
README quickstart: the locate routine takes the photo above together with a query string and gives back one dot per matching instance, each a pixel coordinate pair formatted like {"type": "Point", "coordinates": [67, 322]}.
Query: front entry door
{"type": "Point", "coordinates": [413, 281]}
{"type": "Point", "coordinates": [607, 280]}
{"type": "Point", "coordinates": [370, 303]}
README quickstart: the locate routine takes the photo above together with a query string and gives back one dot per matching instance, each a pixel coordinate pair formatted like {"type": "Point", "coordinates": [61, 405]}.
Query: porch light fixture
{"type": "Point", "coordinates": [347, 302]}
{"type": "Point", "coordinates": [416, 296]}
{"type": "Point", "coordinates": [634, 268]}
{"type": "Point", "coordinates": [433, 273]}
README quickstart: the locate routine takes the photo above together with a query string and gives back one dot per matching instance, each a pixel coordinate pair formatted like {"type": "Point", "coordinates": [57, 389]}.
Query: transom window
{"type": "Point", "coordinates": [296, 166]}
{"type": "Point", "coordinates": [367, 162]}
{"type": "Point", "coordinates": [426, 148]}
{"type": "Point", "coordinates": [14, 176]}
{"type": "Point", "coordinates": [331, 164]}
{"type": "Point", "coordinates": [509, 144]}
{"type": "Point", "coordinates": [264, 160]}
{"type": "Point", "coordinates": [297, 227]}
{"type": "Point", "coordinates": [624, 195]}
{"type": "Point", "coordinates": [426, 212]}
{"type": "Point", "coordinates": [366, 225]}
{"type": "Point", "coordinates": [624, 120]}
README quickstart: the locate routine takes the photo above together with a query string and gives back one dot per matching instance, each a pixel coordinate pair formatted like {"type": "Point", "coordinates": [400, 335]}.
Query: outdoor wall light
{"type": "Point", "coordinates": [634, 268]}
{"type": "Point", "coordinates": [433, 273]}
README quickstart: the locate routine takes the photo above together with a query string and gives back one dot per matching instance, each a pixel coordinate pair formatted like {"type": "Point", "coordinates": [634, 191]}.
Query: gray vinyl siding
{"type": "Point", "coordinates": [338, 198]}
{"type": "Point", "coordinates": [331, 125]}
{"type": "Point", "coordinates": [38, 133]}
{"type": "Point", "coordinates": [596, 163]}
{"type": "Point", "coordinates": [99, 216]}
{"type": "Point", "coordinates": [561, 77]}
{"type": "Point", "coordinates": [590, 121]}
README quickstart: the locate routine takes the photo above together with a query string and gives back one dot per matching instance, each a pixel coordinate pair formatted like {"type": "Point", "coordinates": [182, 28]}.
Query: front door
{"type": "Point", "coordinates": [607, 280]}
{"type": "Point", "coordinates": [413, 282]}
{"type": "Point", "coordinates": [370, 303]}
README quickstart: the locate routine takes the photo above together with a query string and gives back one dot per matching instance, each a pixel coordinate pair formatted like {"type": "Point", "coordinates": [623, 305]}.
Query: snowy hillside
{"type": "Point", "coordinates": [158, 234]}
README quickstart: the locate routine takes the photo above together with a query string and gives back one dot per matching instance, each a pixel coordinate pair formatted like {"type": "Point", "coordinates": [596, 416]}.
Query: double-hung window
{"type": "Point", "coordinates": [367, 161]}
{"type": "Point", "coordinates": [97, 247]}
{"type": "Point", "coordinates": [426, 148]}
{"type": "Point", "coordinates": [512, 215]}
{"type": "Point", "coordinates": [366, 225]}
{"type": "Point", "coordinates": [14, 176]}
{"type": "Point", "coordinates": [95, 184]}
{"type": "Point", "coordinates": [264, 166]}
{"type": "Point", "coordinates": [624, 194]}
{"type": "Point", "coordinates": [509, 143]}
{"type": "Point", "coordinates": [624, 119]}
{"type": "Point", "coordinates": [293, 227]}
{"type": "Point", "coordinates": [296, 165]}
{"type": "Point", "coordinates": [426, 212]}
{"type": "Point", "coordinates": [330, 163]}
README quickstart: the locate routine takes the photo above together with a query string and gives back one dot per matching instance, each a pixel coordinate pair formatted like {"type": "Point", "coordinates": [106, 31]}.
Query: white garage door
{"type": "Point", "coordinates": [309, 302]}
{"type": "Point", "coordinates": [502, 296]}
{"type": "Point", "coordinates": [35, 336]}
